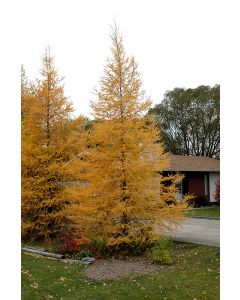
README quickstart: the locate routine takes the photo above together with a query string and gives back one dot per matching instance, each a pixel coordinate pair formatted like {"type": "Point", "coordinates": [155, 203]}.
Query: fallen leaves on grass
{"type": "Point", "coordinates": [209, 270]}
{"type": "Point", "coordinates": [25, 272]}
{"type": "Point", "coordinates": [62, 278]}
{"type": "Point", "coordinates": [34, 285]}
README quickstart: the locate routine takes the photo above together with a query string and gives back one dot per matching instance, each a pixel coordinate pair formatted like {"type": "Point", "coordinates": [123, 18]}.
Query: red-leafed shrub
{"type": "Point", "coordinates": [217, 192]}
{"type": "Point", "coordinates": [77, 246]}
{"type": "Point", "coordinates": [67, 244]}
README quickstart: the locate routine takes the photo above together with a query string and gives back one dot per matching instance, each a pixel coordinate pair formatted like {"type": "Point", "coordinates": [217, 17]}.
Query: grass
{"type": "Point", "coordinates": [194, 275]}
{"type": "Point", "coordinates": [208, 212]}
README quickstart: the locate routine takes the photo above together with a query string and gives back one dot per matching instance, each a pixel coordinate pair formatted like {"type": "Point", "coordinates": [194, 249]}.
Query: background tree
{"type": "Point", "coordinates": [46, 148]}
{"type": "Point", "coordinates": [189, 121]}
{"type": "Point", "coordinates": [122, 196]}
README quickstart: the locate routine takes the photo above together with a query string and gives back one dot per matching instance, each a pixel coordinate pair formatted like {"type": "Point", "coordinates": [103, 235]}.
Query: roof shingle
{"type": "Point", "coordinates": [193, 163]}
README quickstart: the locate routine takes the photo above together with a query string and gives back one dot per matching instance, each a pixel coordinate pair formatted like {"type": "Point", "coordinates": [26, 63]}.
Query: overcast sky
{"type": "Point", "coordinates": [175, 42]}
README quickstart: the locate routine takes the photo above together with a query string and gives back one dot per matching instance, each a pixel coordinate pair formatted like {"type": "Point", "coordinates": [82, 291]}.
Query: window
{"type": "Point", "coordinates": [179, 187]}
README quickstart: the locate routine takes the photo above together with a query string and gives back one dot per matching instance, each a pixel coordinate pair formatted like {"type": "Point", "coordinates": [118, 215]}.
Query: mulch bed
{"type": "Point", "coordinates": [117, 268]}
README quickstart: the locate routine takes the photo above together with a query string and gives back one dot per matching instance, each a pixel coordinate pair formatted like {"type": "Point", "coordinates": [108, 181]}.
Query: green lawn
{"type": "Point", "coordinates": [194, 275]}
{"type": "Point", "coordinates": [204, 212]}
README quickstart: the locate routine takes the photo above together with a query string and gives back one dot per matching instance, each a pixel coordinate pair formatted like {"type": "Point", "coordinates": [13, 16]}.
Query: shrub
{"type": "Point", "coordinates": [161, 256]}
{"type": "Point", "coordinates": [53, 247]}
{"type": "Point", "coordinates": [100, 246]}
{"type": "Point", "coordinates": [67, 244]}
{"type": "Point", "coordinates": [138, 249]}
{"type": "Point", "coordinates": [161, 251]}
{"type": "Point", "coordinates": [200, 201]}
{"type": "Point", "coordinates": [164, 243]}
{"type": "Point", "coordinates": [83, 253]}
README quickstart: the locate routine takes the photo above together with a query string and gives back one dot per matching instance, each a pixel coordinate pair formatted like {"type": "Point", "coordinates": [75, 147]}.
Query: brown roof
{"type": "Point", "coordinates": [193, 163]}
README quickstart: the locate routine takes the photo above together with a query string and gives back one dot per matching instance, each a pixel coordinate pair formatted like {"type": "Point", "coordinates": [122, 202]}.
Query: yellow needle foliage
{"type": "Point", "coordinates": [122, 195]}
{"type": "Point", "coordinates": [48, 143]}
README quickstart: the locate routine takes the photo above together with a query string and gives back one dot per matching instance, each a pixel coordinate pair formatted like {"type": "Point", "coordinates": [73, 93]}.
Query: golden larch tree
{"type": "Point", "coordinates": [47, 145]}
{"type": "Point", "coordinates": [123, 196]}
{"type": "Point", "coordinates": [24, 86]}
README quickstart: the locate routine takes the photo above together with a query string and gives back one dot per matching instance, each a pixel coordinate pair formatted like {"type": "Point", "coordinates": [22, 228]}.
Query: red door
{"type": "Point", "coordinates": [196, 184]}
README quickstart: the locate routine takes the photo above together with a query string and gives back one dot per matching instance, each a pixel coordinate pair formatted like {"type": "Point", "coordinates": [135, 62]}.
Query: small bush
{"type": "Point", "coordinates": [138, 249]}
{"type": "Point", "coordinates": [54, 248]}
{"type": "Point", "coordinates": [161, 251]}
{"type": "Point", "coordinates": [83, 253]}
{"type": "Point", "coordinates": [101, 247]}
{"type": "Point", "coordinates": [200, 201]}
{"type": "Point", "coordinates": [160, 256]}
{"type": "Point", "coordinates": [66, 244]}
{"type": "Point", "coordinates": [164, 243]}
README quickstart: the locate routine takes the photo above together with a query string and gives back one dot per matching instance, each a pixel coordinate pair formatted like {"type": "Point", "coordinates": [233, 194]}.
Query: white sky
{"type": "Point", "coordinates": [175, 42]}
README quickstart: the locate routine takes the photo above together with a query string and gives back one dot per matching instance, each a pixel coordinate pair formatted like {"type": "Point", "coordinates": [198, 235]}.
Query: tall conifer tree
{"type": "Point", "coordinates": [45, 150]}
{"type": "Point", "coordinates": [124, 196]}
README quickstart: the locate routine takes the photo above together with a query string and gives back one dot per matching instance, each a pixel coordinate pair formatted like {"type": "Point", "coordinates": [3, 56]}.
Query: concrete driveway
{"type": "Point", "coordinates": [199, 231]}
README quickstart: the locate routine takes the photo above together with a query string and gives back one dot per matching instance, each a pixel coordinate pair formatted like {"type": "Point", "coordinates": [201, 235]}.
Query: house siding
{"type": "Point", "coordinates": [213, 178]}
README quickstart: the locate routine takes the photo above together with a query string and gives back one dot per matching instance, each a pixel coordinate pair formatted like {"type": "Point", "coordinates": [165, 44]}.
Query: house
{"type": "Point", "coordinates": [201, 174]}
